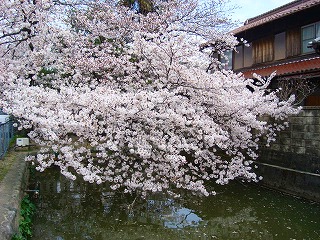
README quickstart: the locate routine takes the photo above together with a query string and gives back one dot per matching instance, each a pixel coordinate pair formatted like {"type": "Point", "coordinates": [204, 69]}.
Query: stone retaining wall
{"type": "Point", "coordinates": [11, 192]}
{"type": "Point", "coordinates": [303, 134]}
{"type": "Point", "coordinates": [292, 163]}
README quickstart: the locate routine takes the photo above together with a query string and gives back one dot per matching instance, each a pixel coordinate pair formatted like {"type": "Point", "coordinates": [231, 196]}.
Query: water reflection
{"type": "Point", "coordinates": [77, 210]}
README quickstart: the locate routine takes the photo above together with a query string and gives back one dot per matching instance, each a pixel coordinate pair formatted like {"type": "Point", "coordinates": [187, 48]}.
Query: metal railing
{"type": "Point", "coordinates": [6, 134]}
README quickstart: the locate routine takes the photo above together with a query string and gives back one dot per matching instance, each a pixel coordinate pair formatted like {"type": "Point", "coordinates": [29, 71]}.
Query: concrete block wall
{"type": "Point", "coordinates": [292, 163]}
{"type": "Point", "coordinates": [303, 134]}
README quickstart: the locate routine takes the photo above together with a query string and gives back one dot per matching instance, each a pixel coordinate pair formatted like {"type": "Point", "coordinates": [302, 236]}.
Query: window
{"type": "Point", "coordinates": [309, 33]}
{"type": "Point", "coordinates": [280, 46]}
{"type": "Point", "coordinates": [238, 57]}
{"type": "Point", "coordinates": [263, 50]}
{"type": "Point", "coordinates": [226, 60]}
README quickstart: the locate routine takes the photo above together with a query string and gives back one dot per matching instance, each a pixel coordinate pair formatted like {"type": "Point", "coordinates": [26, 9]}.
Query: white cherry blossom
{"type": "Point", "coordinates": [115, 96]}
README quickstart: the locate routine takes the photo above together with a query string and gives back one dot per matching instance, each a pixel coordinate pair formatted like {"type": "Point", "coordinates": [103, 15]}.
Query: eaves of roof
{"type": "Point", "coordinates": [291, 68]}
{"type": "Point", "coordinates": [277, 13]}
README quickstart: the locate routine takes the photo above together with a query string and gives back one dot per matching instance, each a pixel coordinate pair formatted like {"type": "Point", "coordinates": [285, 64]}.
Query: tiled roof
{"type": "Point", "coordinates": [289, 68]}
{"type": "Point", "coordinates": [277, 13]}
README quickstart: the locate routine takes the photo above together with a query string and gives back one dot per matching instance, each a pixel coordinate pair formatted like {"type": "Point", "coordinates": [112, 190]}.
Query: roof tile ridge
{"type": "Point", "coordinates": [277, 13]}
{"type": "Point", "coordinates": [284, 8]}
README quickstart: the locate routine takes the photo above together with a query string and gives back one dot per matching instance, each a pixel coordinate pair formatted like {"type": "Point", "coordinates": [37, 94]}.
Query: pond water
{"type": "Point", "coordinates": [78, 210]}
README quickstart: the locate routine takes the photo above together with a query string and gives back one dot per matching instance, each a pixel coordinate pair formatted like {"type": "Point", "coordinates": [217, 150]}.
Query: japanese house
{"type": "Point", "coordinates": [280, 41]}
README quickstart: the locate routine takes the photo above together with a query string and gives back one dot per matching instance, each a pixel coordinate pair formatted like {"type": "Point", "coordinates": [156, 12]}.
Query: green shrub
{"type": "Point", "coordinates": [27, 211]}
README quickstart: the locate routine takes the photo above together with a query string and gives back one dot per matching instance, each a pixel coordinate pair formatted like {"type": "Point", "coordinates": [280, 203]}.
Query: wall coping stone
{"type": "Point", "coordinates": [11, 192]}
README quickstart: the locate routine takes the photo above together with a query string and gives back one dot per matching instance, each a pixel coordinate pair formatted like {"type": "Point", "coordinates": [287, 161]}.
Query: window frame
{"type": "Point", "coordinates": [315, 25]}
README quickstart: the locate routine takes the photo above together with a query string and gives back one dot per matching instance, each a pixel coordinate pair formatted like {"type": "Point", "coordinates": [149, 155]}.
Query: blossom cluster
{"type": "Point", "coordinates": [120, 97]}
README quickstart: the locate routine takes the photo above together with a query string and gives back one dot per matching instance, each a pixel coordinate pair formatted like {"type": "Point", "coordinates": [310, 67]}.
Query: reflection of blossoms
{"type": "Point", "coordinates": [133, 106]}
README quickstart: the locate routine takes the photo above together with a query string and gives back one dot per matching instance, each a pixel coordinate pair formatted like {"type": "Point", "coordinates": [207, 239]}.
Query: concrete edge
{"type": "Point", "coordinates": [297, 183]}
{"type": "Point", "coordinates": [11, 192]}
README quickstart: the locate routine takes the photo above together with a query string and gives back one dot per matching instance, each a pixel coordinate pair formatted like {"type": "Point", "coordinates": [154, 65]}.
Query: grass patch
{"type": "Point", "coordinates": [6, 163]}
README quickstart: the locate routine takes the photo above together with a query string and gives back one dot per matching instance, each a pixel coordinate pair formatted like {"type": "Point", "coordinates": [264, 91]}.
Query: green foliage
{"type": "Point", "coordinates": [13, 141]}
{"type": "Point", "coordinates": [133, 59]}
{"type": "Point", "coordinates": [46, 71]}
{"type": "Point", "coordinates": [32, 171]}
{"type": "Point", "coordinates": [45, 76]}
{"type": "Point", "coordinates": [27, 211]}
{"type": "Point", "coordinates": [99, 40]}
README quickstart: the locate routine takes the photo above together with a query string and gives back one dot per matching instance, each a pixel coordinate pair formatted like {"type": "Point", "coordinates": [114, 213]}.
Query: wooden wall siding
{"type": "Point", "coordinates": [263, 50]}
{"type": "Point", "coordinates": [293, 42]}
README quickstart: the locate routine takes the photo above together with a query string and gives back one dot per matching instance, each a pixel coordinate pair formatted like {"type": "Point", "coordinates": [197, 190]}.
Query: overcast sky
{"type": "Point", "coordinates": [251, 8]}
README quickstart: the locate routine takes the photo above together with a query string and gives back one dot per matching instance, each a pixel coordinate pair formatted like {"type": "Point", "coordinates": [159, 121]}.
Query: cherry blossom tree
{"type": "Point", "coordinates": [125, 98]}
